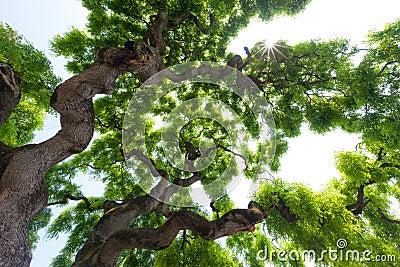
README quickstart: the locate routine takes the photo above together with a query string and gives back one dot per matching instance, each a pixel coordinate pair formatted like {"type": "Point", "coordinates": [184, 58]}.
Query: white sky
{"type": "Point", "coordinates": [323, 19]}
{"type": "Point", "coordinates": [310, 157]}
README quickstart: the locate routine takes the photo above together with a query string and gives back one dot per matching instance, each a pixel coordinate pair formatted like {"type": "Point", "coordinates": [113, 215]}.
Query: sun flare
{"type": "Point", "coordinates": [269, 48]}
{"type": "Point", "coordinates": [268, 44]}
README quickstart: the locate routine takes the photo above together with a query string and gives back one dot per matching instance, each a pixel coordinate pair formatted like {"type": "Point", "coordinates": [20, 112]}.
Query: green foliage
{"type": "Point", "coordinates": [37, 84]}
{"type": "Point", "coordinates": [247, 246]}
{"type": "Point", "coordinates": [137, 257]}
{"type": "Point", "coordinates": [377, 90]}
{"type": "Point", "coordinates": [39, 222]}
{"type": "Point", "coordinates": [305, 82]}
{"type": "Point", "coordinates": [111, 23]}
{"type": "Point", "coordinates": [78, 223]}
{"type": "Point", "coordinates": [323, 219]}
{"type": "Point", "coordinates": [77, 44]}
{"type": "Point", "coordinates": [320, 213]}
{"type": "Point", "coordinates": [272, 8]}
{"type": "Point", "coordinates": [198, 252]}
{"type": "Point", "coordinates": [223, 205]}
{"type": "Point", "coordinates": [23, 121]}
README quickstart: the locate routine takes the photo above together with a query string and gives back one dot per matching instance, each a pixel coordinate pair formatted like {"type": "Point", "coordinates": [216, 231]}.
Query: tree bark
{"type": "Point", "coordinates": [23, 192]}
{"type": "Point", "coordinates": [10, 93]}
{"type": "Point", "coordinates": [238, 220]}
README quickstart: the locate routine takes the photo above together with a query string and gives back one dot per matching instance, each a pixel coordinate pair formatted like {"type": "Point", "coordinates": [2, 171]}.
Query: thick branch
{"type": "Point", "coordinates": [389, 165]}
{"type": "Point", "coordinates": [73, 98]}
{"type": "Point", "coordinates": [116, 219]}
{"type": "Point", "coordinates": [189, 181]}
{"type": "Point", "coordinates": [186, 16]}
{"type": "Point", "coordinates": [5, 157]}
{"type": "Point", "coordinates": [10, 93]}
{"type": "Point", "coordinates": [238, 220]}
{"type": "Point", "coordinates": [160, 26]}
{"type": "Point", "coordinates": [386, 219]}
{"type": "Point", "coordinates": [155, 34]}
{"type": "Point", "coordinates": [167, 191]}
{"type": "Point", "coordinates": [285, 210]}
{"type": "Point", "coordinates": [358, 207]}
{"type": "Point", "coordinates": [234, 153]}
{"type": "Point", "coordinates": [120, 217]}
{"type": "Point", "coordinates": [235, 62]}
{"type": "Point", "coordinates": [386, 65]}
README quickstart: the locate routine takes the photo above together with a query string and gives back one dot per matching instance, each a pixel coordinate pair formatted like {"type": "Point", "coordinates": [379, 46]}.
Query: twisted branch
{"type": "Point", "coordinates": [186, 16]}
{"type": "Point", "coordinates": [238, 220]}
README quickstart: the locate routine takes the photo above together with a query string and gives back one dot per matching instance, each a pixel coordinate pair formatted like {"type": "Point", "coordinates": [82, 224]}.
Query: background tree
{"type": "Point", "coordinates": [36, 83]}
{"type": "Point", "coordinates": [312, 82]}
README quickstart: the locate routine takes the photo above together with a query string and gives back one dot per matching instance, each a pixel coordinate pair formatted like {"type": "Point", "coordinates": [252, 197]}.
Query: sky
{"type": "Point", "coordinates": [40, 20]}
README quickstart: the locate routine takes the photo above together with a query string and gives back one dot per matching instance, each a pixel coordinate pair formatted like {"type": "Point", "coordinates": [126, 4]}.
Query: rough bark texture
{"type": "Point", "coordinates": [23, 192]}
{"type": "Point", "coordinates": [120, 218]}
{"type": "Point", "coordinates": [235, 221]}
{"type": "Point", "coordinates": [107, 253]}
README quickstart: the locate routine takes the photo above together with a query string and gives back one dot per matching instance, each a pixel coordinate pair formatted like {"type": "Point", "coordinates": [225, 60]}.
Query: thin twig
{"type": "Point", "coordinates": [68, 196]}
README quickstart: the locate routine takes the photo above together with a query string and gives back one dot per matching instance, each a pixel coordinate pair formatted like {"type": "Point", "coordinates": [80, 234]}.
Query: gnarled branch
{"type": "Point", "coordinates": [186, 16]}
{"type": "Point", "coordinates": [238, 220]}
{"type": "Point", "coordinates": [123, 215]}
{"type": "Point", "coordinates": [358, 207]}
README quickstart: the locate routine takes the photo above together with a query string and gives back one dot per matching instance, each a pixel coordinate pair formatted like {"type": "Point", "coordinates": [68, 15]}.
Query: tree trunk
{"type": "Point", "coordinates": [23, 193]}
